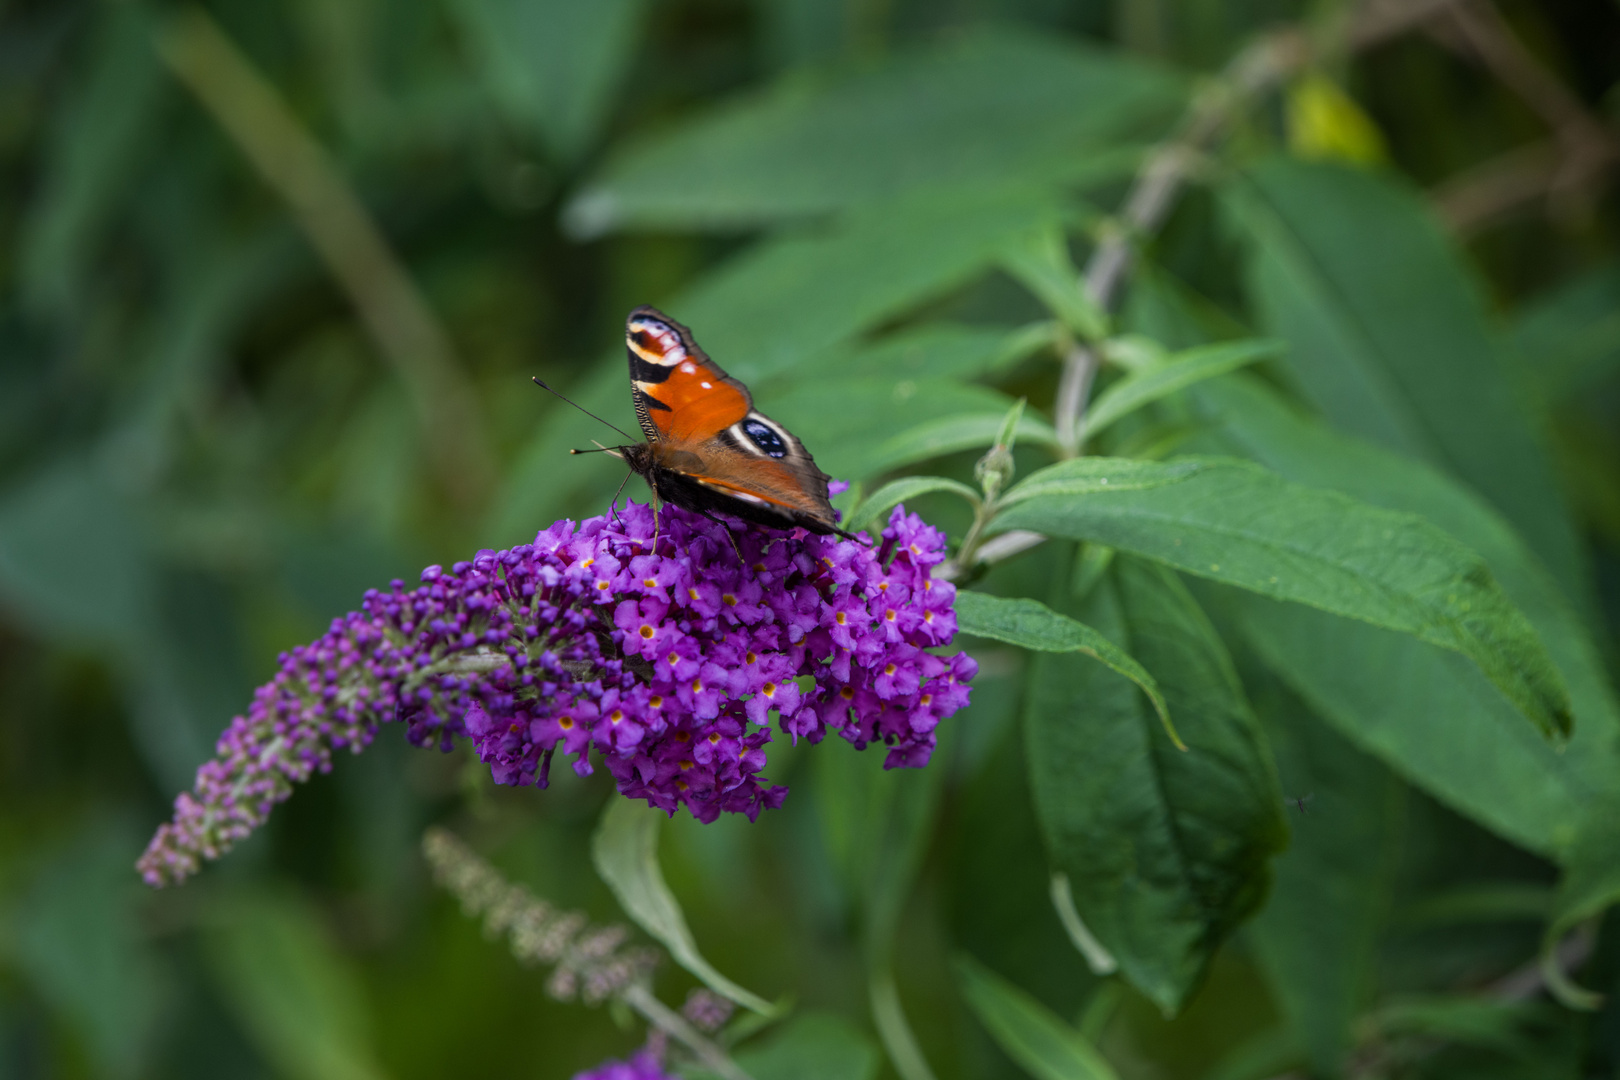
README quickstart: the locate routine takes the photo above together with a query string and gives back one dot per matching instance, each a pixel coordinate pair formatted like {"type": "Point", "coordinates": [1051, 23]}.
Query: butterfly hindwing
{"type": "Point", "coordinates": [710, 449]}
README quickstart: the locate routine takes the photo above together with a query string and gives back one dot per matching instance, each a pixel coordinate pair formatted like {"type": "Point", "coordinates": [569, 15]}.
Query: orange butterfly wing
{"type": "Point", "coordinates": [680, 394]}
{"type": "Point", "coordinates": [705, 431]}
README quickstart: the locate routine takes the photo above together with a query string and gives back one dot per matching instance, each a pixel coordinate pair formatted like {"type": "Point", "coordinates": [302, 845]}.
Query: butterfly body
{"type": "Point", "coordinates": [708, 449]}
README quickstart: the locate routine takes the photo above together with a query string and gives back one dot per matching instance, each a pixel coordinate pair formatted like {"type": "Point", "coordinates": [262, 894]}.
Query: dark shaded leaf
{"type": "Point", "coordinates": [72, 561]}
{"type": "Point", "coordinates": [1569, 338]}
{"type": "Point", "coordinates": [811, 1046]}
{"type": "Point", "coordinates": [1165, 850]}
{"type": "Point", "coordinates": [1026, 1030]}
{"type": "Point", "coordinates": [295, 996]}
{"type": "Point", "coordinates": [75, 936]}
{"type": "Point", "coordinates": [1331, 890]}
{"type": "Point", "coordinates": [99, 141]}
{"type": "Point", "coordinates": [553, 65]}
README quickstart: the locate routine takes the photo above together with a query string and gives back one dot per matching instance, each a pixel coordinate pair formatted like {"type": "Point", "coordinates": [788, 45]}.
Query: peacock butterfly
{"type": "Point", "coordinates": [708, 449]}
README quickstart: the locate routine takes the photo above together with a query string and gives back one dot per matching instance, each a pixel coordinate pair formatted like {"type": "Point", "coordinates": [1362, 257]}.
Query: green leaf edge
{"type": "Point", "coordinates": [624, 850]}
{"type": "Point", "coordinates": [976, 614]}
{"type": "Point", "coordinates": [1184, 369]}
{"type": "Point", "coordinates": [1012, 1015]}
{"type": "Point", "coordinates": [898, 491]}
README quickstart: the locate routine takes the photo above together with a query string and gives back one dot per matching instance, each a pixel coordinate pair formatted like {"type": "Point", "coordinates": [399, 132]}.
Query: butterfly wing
{"type": "Point", "coordinates": [718, 450]}
{"type": "Point", "coordinates": [680, 394]}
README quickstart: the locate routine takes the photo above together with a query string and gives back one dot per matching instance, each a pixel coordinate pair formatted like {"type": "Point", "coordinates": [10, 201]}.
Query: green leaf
{"type": "Point", "coordinates": [850, 425]}
{"type": "Point", "coordinates": [1032, 625]}
{"type": "Point", "coordinates": [811, 1046]}
{"type": "Point", "coordinates": [1164, 852]}
{"type": "Point", "coordinates": [1042, 265]}
{"type": "Point", "coordinates": [801, 292]}
{"type": "Point", "coordinates": [625, 852]}
{"type": "Point", "coordinates": [1427, 711]}
{"type": "Point", "coordinates": [890, 495]}
{"type": "Point", "coordinates": [1465, 1019]}
{"type": "Point", "coordinates": [1435, 719]}
{"type": "Point", "coordinates": [1007, 434]}
{"type": "Point", "coordinates": [1590, 885]}
{"type": "Point", "coordinates": [71, 555]}
{"type": "Point", "coordinates": [975, 109]}
{"type": "Point", "coordinates": [936, 350]}
{"type": "Point", "coordinates": [876, 825]}
{"type": "Point", "coordinates": [1240, 525]}
{"type": "Point", "coordinates": [96, 148]}
{"type": "Point", "coordinates": [1332, 889]}
{"type": "Point", "coordinates": [1569, 338]}
{"type": "Point", "coordinates": [75, 936]}
{"type": "Point", "coordinates": [552, 65]}
{"type": "Point", "coordinates": [952, 434]}
{"type": "Point", "coordinates": [1182, 370]}
{"type": "Point", "coordinates": [301, 1003]}
{"type": "Point", "coordinates": [1389, 336]}
{"type": "Point", "coordinates": [1043, 1045]}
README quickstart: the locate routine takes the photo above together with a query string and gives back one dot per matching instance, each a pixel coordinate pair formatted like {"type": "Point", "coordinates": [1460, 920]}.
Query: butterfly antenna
{"type": "Point", "coordinates": [587, 412]}
{"type": "Point", "coordinates": [600, 449]}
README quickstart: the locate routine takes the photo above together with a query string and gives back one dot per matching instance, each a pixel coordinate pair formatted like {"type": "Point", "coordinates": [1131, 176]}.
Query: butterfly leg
{"type": "Point", "coordinates": [727, 530]}
{"type": "Point", "coordinates": [613, 507]}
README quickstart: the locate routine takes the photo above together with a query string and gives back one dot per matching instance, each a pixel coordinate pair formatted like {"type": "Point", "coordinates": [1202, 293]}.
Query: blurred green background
{"type": "Point", "coordinates": [274, 278]}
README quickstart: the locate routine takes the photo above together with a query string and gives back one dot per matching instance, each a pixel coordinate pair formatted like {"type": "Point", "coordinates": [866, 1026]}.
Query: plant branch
{"type": "Point", "coordinates": [1165, 171]}
{"type": "Point", "coordinates": [1261, 66]}
{"type": "Point", "coordinates": [1565, 170]}
{"type": "Point", "coordinates": [297, 168]}
{"type": "Point", "coordinates": [1258, 68]}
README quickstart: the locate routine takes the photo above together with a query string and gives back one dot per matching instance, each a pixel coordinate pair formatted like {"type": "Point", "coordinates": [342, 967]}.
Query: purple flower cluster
{"type": "Point", "coordinates": [669, 649]}
{"type": "Point", "coordinates": [643, 1065]}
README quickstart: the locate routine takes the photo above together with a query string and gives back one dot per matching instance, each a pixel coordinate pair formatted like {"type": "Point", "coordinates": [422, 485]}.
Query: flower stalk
{"type": "Point", "coordinates": [590, 963]}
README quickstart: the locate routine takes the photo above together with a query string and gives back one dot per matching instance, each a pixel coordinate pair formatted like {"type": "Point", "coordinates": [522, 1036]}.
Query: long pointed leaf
{"type": "Point", "coordinates": [1241, 525]}
{"type": "Point", "coordinates": [1032, 625]}
{"type": "Point", "coordinates": [1043, 1045]}
{"type": "Point", "coordinates": [625, 851]}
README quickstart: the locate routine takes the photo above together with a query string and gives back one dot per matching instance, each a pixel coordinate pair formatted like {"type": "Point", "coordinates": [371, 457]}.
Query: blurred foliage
{"type": "Point", "coordinates": [273, 280]}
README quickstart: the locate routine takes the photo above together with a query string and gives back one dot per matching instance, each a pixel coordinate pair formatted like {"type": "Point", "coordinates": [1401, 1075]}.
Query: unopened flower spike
{"type": "Point", "coordinates": [669, 664]}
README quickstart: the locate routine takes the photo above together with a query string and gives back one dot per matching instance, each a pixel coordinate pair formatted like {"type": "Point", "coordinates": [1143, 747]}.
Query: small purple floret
{"type": "Point", "coordinates": [672, 665]}
{"type": "Point", "coordinates": [643, 1065]}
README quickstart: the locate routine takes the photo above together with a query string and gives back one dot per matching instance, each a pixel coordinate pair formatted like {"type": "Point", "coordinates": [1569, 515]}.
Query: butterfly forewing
{"type": "Point", "coordinates": [680, 394]}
